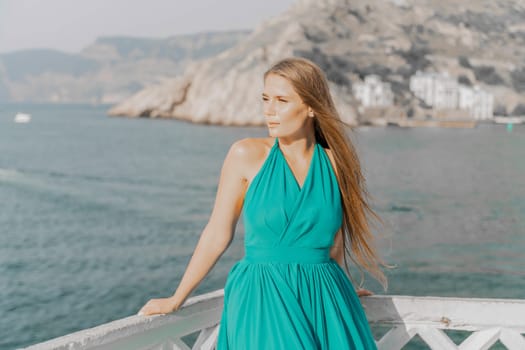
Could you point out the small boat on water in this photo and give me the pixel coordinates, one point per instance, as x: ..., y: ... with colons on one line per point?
x: 22, y: 118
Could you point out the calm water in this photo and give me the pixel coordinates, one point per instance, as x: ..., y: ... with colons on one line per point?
x: 98, y: 214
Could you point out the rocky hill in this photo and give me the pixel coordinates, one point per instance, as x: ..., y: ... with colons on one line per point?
x: 107, y: 71
x: 479, y: 42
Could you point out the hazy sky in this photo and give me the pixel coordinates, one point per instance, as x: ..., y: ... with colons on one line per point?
x: 70, y: 25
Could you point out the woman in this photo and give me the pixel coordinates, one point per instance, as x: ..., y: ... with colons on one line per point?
x: 304, y: 200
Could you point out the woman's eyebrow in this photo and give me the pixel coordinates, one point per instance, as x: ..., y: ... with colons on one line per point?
x: 278, y: 96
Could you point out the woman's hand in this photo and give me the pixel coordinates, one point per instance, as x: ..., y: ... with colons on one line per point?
x: 158, y: 306
x: 363, y: 293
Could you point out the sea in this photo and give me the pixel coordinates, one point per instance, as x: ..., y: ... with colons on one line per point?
x: 100, y: 214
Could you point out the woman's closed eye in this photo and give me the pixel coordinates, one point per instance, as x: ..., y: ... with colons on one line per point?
x: 279, y: 99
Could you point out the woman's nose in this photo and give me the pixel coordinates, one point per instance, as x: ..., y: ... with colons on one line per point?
x: 269, y: 107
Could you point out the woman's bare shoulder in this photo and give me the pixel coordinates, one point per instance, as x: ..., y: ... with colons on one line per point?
x: 252, y: 147
x: 250, y: 153
x: 332, y: 160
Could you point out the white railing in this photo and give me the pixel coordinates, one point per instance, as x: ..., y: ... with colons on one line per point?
x: 487, y: 320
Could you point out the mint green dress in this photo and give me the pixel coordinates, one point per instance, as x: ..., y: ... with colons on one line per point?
x: 287, y: 293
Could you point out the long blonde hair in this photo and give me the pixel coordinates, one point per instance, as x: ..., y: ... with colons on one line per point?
x: 310, y: 83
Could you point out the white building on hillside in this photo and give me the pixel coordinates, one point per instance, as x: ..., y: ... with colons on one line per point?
x: 422, y: 85
x: 373, y: 92
x: 445, y: 93
x: 440, y: 91
x: 478, y: 102
x: 436, y: 89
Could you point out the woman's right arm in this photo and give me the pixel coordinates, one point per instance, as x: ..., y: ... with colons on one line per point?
x: 218, y: 233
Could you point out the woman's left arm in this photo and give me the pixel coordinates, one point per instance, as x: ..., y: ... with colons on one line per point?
x: 337, y: 252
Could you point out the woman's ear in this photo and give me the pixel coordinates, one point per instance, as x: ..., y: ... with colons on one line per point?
x: 310, y: 112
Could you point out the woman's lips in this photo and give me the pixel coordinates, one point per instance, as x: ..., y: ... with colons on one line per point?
x: 271, y: 125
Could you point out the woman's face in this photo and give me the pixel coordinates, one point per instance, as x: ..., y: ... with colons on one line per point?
x: 286, y: 114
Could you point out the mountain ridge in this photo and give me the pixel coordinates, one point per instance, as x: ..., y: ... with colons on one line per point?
x: 106, y: 71
x: 483, y: 44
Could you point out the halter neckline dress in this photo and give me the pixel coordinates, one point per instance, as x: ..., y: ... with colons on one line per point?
x: 287, y: 292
